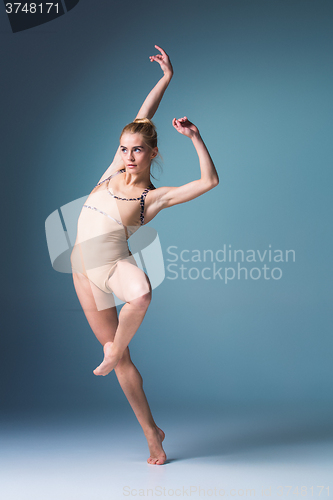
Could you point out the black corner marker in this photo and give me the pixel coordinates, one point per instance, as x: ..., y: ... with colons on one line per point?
x: 27, y: 15
x: 70, y: 4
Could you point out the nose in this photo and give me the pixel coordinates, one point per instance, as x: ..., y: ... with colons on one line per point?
x: 130, y: 155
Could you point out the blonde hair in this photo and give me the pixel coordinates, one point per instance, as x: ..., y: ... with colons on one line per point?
x: 147, y: 129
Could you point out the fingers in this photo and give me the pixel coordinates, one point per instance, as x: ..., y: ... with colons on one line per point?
x: 157, y: 58
x: 177, y: 125
x: 161, y: 50
x: 180, y: 122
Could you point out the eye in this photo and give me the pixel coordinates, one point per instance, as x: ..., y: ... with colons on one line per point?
x: 137, y: 149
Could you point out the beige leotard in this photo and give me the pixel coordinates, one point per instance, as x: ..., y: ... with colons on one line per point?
x: 105, y: 224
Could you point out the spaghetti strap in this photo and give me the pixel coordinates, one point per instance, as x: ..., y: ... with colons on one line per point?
x: 142, y: 205
x: 111, y: 176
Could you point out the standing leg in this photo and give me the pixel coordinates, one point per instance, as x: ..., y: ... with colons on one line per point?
x: 104, y: 325
x: 131, y: 383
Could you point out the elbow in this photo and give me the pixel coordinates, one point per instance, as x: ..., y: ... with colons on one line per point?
x: 210, y: 183
x: 215, y: 181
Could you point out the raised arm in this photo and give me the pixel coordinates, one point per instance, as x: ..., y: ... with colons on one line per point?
x: 150, y: 105
x: 153, y: 99
x: 169, y: 196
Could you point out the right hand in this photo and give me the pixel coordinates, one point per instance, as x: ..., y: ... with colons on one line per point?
x: 163, y: 60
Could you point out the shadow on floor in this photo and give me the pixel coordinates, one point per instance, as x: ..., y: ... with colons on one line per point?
x: 261, y: 441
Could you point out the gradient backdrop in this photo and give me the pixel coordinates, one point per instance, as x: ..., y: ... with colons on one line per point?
x: 256, y: 77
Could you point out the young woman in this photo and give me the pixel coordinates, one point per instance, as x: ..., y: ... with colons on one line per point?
x: 122, y: 201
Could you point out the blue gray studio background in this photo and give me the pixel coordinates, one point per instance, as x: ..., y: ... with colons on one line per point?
x: 256, y: 77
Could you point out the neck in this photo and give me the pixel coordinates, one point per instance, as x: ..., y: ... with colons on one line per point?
x: 132, y: 179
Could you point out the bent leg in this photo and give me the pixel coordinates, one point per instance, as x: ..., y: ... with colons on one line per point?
x: 132, y: 286
x: 102, y: 322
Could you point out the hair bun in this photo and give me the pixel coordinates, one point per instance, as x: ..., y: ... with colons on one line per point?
x: 146, y: 128
x: 143, y: 120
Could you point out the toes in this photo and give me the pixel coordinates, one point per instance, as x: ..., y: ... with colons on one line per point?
x: 156, y: 461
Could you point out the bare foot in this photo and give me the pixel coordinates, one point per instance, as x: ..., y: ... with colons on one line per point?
x: 155, y: 438
x: 109, y: 362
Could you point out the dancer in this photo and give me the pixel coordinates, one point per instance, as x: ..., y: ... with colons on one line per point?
x: 123, y: 200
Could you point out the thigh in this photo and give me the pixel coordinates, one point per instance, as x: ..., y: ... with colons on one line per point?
x: 102, y: 320
x: 128, y: 281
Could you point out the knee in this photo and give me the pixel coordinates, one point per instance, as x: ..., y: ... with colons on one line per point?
x: 142, y: 298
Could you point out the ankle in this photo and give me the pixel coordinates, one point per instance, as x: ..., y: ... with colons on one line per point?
x: 117, y: 352
x: 150, y: 430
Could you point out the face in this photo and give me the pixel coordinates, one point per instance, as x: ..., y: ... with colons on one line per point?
x: 136, y: 155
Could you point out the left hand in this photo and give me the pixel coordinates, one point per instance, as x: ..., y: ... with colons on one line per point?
x: 185, y: 127
x: 163, y: 60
